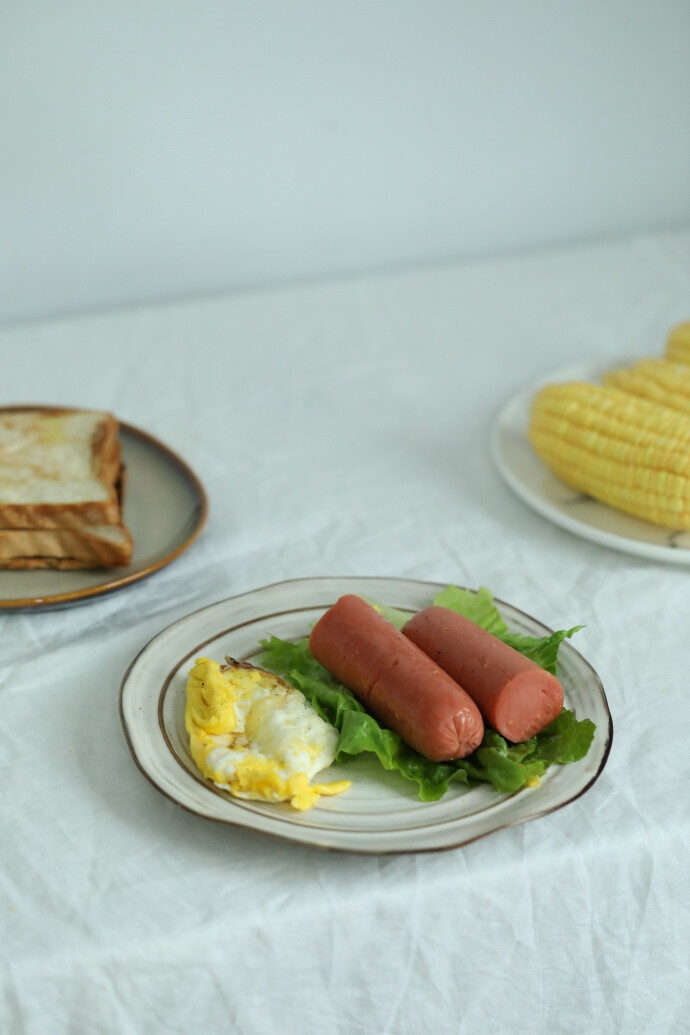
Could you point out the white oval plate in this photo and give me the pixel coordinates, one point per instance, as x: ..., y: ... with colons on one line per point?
x: 381, y: 812
x: 165, y: 509
x: 578, y: 513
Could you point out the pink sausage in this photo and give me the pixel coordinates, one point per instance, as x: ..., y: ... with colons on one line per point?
x: 515, y: 696
x: 396, y: 681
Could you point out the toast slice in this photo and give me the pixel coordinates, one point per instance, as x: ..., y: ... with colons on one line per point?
x: 59, y: 469
x: 107, y: 546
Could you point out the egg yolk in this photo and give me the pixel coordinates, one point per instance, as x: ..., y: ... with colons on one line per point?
x: 209, y: 699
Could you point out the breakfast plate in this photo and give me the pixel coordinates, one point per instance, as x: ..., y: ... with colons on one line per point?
x: 165, y: 509
x: 534, y: 483
x: 380, y: 813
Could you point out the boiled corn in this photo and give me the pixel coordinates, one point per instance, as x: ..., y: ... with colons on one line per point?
x: 629, y: 453
x: 678, y: 344
x: 657, y: 380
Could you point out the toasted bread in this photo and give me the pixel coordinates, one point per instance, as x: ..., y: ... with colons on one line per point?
x: 100, y: 546
x: 55, y: 563
x: 61, y: 488
x: 59, y: 469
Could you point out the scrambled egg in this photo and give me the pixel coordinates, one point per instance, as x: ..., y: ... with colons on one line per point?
x: 253, y: 735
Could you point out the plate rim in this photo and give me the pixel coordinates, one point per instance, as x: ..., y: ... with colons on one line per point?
x: 118, y: 581
x: 358, y: 849
x: 517, y: 403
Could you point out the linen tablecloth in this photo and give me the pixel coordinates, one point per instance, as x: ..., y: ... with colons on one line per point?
x: 343, y: 428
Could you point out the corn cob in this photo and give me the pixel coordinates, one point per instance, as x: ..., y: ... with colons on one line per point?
x: 657, y: 380
x: 626, y: 452
x: 678, y: 344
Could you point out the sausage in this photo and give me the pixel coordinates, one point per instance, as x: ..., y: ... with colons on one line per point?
x: 396, y: 681
x: 516, y: 697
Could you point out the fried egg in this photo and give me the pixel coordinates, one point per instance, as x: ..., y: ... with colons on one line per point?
x: 255, y: 736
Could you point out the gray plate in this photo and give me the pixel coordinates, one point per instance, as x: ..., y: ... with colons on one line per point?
x: 381, y: 812
x: 165, y: 510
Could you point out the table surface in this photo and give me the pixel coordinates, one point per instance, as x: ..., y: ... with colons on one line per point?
x: 343, y: 428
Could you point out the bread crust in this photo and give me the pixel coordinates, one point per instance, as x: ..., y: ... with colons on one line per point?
x: 65, y: 543
x: 60, y: 515
x: 105, y: 450
x: 52, y: 563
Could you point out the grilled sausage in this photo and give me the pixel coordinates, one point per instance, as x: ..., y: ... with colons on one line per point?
x: 516, y: 697
x: 396, y: 681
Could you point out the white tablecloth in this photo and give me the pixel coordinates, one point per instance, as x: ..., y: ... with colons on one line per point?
x: 343, y: 428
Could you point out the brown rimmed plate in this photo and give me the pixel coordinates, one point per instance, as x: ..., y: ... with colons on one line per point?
x: 165, y: 509
x: 380, y: 813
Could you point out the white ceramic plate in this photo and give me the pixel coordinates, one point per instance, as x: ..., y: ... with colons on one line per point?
x: 532, y: 481
x: 380, y: 813
x: 165, y: 509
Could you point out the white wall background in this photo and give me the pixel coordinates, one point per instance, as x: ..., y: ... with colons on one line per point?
x: 152, y: 149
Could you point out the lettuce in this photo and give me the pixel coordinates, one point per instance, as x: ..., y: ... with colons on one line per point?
x: 506, y: 767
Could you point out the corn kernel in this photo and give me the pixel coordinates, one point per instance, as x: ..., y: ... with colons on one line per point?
x: 657, y: 380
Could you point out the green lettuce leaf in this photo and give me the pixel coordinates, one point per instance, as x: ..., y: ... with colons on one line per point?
x: 506, y: 767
